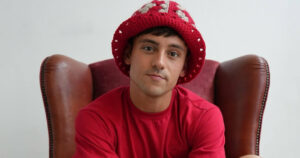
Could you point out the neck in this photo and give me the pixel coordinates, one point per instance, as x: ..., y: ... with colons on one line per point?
x: 151, y: 104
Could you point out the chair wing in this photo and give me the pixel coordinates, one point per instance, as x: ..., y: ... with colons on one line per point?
x: 66, y: 86
x: 242, y: 86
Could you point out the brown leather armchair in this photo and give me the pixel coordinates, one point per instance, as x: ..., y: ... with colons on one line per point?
x: 239, y: 87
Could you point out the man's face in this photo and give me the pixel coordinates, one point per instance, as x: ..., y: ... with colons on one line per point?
x: 156, y: 62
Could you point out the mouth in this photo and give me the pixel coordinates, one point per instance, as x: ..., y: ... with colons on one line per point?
x: 156, y: 77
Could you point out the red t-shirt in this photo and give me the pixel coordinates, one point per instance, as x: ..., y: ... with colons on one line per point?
x: 111, y: 126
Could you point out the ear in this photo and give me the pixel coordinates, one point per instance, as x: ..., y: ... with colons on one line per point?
x: 184, y: 69
x: 185, y: 65
x: 127, y: 54
x: 182, y: 73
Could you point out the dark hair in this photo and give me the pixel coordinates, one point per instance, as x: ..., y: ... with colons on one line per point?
x: 161, y: 31
x: 157, y: 31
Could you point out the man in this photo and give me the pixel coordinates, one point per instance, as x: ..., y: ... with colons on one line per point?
x: 158, y: 47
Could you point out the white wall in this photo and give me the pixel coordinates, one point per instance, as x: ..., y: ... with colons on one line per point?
x: 33, y: 29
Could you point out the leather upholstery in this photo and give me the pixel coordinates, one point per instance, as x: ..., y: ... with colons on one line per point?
x: 242, y: 86
x: 107, y: 76
x: 66, y: 86
x: 203, y: 84
x: 239, y: 87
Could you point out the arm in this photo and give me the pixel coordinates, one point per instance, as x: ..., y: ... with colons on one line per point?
x: 93, y: 137
x: 208, y: 139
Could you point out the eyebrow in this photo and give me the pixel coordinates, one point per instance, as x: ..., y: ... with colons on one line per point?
x: 148, y: 41
x: 177, y: 46
x: 156, y: 43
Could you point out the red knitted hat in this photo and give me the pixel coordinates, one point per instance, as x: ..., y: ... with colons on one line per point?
x: 161, y: 13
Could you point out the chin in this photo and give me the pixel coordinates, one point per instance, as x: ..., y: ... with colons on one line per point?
x: 152, y: 89
x: 155, y: 91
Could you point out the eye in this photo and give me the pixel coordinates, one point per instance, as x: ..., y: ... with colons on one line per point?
x: 148, y: 48
x: 173, y: 54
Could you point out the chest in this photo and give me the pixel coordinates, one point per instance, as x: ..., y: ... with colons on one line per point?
x: 159, y: 138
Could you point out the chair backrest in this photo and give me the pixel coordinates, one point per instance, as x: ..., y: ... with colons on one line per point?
x: 239, y: 87
x: 107, y: 76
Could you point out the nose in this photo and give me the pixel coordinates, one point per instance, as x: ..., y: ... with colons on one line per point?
x: 159, y: 60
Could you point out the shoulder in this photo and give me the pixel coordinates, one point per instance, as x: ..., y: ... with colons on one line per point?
x: 189, y: 99
x: 107, y: 106
x: 196, y: 112
x: 96, y: 123
x: 202, y: 120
